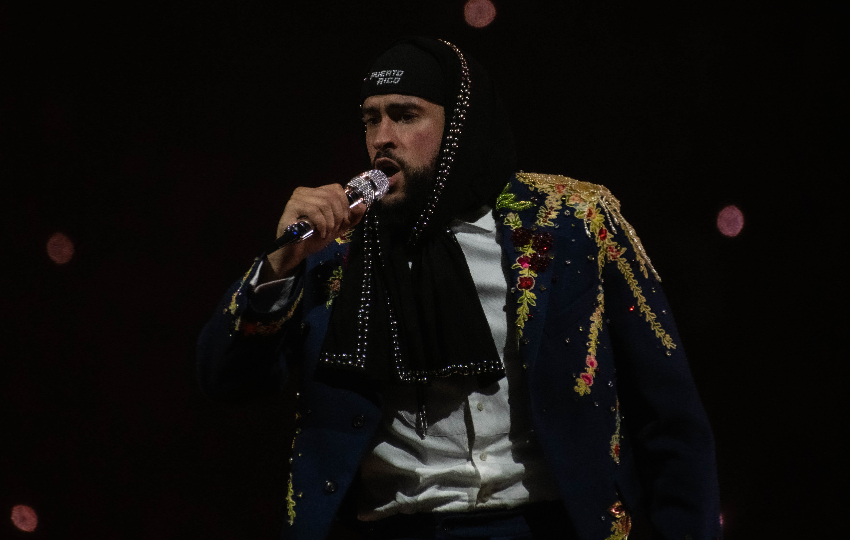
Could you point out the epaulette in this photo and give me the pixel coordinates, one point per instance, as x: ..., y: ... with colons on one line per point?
x: 560, y: 189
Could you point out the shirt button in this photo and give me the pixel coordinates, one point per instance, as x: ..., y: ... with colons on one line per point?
x: 483, y: 456
x: 358, y: 421
x: 330, y: 487
x: 480, y: 406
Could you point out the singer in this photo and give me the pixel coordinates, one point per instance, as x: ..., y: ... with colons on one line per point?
x: 481, y: 353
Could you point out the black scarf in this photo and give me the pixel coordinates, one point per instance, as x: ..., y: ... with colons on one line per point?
x: 407, y: 323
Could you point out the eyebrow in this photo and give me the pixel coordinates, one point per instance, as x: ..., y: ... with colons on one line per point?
x: 396, y: 106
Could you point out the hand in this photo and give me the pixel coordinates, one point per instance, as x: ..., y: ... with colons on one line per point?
x: 326, y: 208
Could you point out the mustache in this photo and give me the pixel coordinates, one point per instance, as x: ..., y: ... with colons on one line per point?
x: 389, y: 155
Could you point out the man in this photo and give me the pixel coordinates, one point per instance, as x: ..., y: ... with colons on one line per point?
x: 481, y: 354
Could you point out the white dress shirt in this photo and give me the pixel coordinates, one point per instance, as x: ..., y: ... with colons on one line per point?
x: 480, y: 451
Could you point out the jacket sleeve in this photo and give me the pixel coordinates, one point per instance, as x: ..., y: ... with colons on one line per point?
x: 662, y: 415
x: 241, y: 350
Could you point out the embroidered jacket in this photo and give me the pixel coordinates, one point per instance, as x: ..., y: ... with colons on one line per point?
x: 612, y: 398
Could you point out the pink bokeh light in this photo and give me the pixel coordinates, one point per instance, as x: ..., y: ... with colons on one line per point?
x: 479, y: 13
x: 24, y: 518
x: 730, y: 221
x: 60, y: 248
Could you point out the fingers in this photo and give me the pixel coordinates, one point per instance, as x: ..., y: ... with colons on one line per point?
x: 326, y: 207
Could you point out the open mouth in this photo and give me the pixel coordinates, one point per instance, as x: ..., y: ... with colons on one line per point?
x: 388, y: 167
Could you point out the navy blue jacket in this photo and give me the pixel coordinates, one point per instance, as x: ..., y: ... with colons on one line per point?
x: 612, y: 398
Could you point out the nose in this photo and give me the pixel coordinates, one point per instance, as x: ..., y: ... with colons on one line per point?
x: 384, y: 135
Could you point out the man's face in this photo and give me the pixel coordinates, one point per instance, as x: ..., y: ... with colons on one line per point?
x: 403, y: 135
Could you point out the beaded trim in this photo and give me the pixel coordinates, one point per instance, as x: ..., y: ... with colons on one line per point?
x: 358, y: 359
x: 449, y: 148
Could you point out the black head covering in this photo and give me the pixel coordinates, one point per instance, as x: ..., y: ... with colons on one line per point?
x: 417, y: 311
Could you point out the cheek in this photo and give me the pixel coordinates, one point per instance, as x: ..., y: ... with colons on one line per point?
x: 428, y: 145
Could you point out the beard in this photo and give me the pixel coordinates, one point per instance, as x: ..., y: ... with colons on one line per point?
x: 401, y: 214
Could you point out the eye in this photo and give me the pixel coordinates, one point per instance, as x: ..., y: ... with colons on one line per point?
x: 371, y: 121
x: 408, y: 117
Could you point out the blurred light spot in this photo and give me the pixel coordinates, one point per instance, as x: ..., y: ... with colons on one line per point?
x: 479, y: 13
x: 730, y: 221
x: 24, y: 518
x: 60, y: 249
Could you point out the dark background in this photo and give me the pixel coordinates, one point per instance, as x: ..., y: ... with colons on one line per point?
x: 163, y: 140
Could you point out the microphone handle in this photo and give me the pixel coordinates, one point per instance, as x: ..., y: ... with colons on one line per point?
x: 303, y: 229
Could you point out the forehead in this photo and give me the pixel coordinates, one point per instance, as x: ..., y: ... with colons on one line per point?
x: 384, y: 101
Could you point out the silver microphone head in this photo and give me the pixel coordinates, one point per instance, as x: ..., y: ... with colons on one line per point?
x: 370, y: 185
x: 380, y: 181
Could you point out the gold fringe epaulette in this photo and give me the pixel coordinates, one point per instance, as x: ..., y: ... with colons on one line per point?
x: 564, y: 186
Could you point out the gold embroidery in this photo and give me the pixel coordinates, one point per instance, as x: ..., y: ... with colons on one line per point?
x: 345, y: 237
x: 333, y: 286
x: 506, y: 199
x: 526, y: 277
x: 585, y: 380
x: 267, y: 329
x: 622, y: 525
x: 578, y: 192
x: 615, y: 439
x: 290, y: 502
x: 650, y: 317
x: 233, y: 305
x: 582, y: 197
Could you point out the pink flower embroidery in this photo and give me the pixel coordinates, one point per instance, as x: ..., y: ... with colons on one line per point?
x: 591, y: 362
x: 587, y: 378
x: 524, y: 261
x: 575, y: 198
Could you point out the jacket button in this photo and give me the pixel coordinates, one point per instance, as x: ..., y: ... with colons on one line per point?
x: 330, y: 487
x: 358, y: 421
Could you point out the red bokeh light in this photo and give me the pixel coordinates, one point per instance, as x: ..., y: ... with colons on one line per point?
x: 479, y: 13
x: 24, y: 518
x: 730, y: 221
x: 60, y: 248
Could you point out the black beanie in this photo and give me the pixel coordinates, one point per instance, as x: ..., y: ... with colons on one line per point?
x: 406, y: 69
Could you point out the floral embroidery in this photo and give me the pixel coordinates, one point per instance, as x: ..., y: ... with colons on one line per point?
x: 615, y: 439
x: 622, y: 525
x: 581, y: 194
x: 585, y: 380
x: 290, y: 502
x: 345, y: 237
x: 584, y: 197
x: 333, y: 286
x: 506, y: 199
x: 234, y: 306
x: 650, y: 317
x: 532, y: 247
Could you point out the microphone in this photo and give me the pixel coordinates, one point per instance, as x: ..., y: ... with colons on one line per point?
x: 365, y: 188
